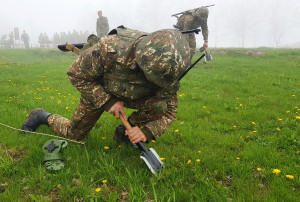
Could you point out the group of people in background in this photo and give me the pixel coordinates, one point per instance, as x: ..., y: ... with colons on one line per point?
x: 187, y: 20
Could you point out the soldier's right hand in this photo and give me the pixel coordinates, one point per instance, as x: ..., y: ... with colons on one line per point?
x: 117, y: 109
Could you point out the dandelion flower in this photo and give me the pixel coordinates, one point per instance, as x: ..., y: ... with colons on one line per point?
x: 276, y: 171
x: 258, y: 169
x: 287, y: 111
x: 204, y: 107
x: 278, y: 129
x: 254, y: 131
x: 199, y: 152
x: 98, y: 189
x: 291, y: 177
x: 241, y: 105
x: 181, y: 95
x: 153, y: 141
x: 189, y: 162
x: 253, y: 123
x: 237, y: 98
x: 162, y: 158
x: 298, y: 117
x: 104, y: 181
x: 106, y: 147
x: 67, y: 107
x: 280, y: 119
x: 237, y: 158
x: 234, y: 126
x: 198, y: 160
x: 176, y: 131
x: 103, y: 138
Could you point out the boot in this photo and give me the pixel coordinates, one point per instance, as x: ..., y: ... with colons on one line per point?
x: 36, y: 118
x: 120, y: 136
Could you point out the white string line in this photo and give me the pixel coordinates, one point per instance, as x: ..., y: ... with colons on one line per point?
x: 45, y: 134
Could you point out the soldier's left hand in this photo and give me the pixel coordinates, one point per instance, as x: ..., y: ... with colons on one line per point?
x: 136, y: 135
x: 205, y: 44
x: 117, y: 110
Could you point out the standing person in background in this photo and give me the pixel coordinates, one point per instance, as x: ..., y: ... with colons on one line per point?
x: 194, y: 19
x: 25, y: 39
x: 102, y: 25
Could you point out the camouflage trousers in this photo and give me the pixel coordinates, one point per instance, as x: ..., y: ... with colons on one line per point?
x: 86, y: 115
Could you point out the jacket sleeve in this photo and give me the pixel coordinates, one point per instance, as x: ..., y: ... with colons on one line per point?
x: 85, y: 74
x: 155, y: 115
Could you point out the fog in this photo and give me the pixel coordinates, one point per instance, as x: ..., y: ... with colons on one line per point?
x: 231, y: 23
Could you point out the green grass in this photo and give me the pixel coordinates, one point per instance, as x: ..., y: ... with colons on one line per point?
x: 236, y: 114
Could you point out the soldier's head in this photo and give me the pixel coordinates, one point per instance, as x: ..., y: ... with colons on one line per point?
x: 163, y: 56
x: 100, y: 13
x: 202, y: 13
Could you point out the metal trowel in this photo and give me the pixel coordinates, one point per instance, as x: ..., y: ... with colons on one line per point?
x: 150, y: 156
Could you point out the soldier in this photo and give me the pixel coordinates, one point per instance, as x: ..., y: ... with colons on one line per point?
x: 194, y: 19
x: 102, y: 25
x: 126, y: 68
x: 25, y: 39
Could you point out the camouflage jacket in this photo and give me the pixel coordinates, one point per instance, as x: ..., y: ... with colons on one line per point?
x: 184, y: 23
x: 108, y: 72
x: 102, y: 25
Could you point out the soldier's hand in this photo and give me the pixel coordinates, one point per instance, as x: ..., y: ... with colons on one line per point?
x: 136, y: 135
x: 117, y: 109
x: 205, y: 44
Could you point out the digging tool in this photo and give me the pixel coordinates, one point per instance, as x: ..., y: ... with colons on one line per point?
x: 150, y: 156
x: 208, y: 57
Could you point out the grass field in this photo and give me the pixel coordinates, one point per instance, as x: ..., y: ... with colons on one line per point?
x: 236, y: 137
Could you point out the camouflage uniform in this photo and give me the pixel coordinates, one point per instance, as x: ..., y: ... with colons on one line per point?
x: 129, y: 66
x: 192, y: 20
x: 102, y: 26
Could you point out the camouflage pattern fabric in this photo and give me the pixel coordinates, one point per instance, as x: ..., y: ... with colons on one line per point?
x: 109, y: 72
x: 192, y: 20
x: 102, y: 26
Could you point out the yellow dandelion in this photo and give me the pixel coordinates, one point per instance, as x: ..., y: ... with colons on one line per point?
x: 279, y: 119
x: 106, y: 147
x: 181, y: 95
x: 104, y: 181
x: 298, y: 117
x: 204, y: 107
x: 258, y: 169
x: 153, y: 141
x: 234, y: 126
x: 241, y: 105
x: 254, y: 131
x: 198, y: 160
x: 67, y: 107
x: 248, y: 137
x: 293, y: 95
x: 237, y: 158
x: 103, y: 138
x: 253, y: 123
x: 199, y: 152
x: 98, y: 189
x: 237, y: 98
x: 176, y: 131
x: 162, y: 159
x: 189, y: 162
x: 276, y: 171
x: 278, y: 129
x: 287, y: 111
x: 291, y: 177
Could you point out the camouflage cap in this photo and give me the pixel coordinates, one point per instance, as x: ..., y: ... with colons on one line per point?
x: 202, y: 12
x: 163, y: 56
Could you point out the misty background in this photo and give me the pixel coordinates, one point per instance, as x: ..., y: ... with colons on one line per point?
x: 231, y: 23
